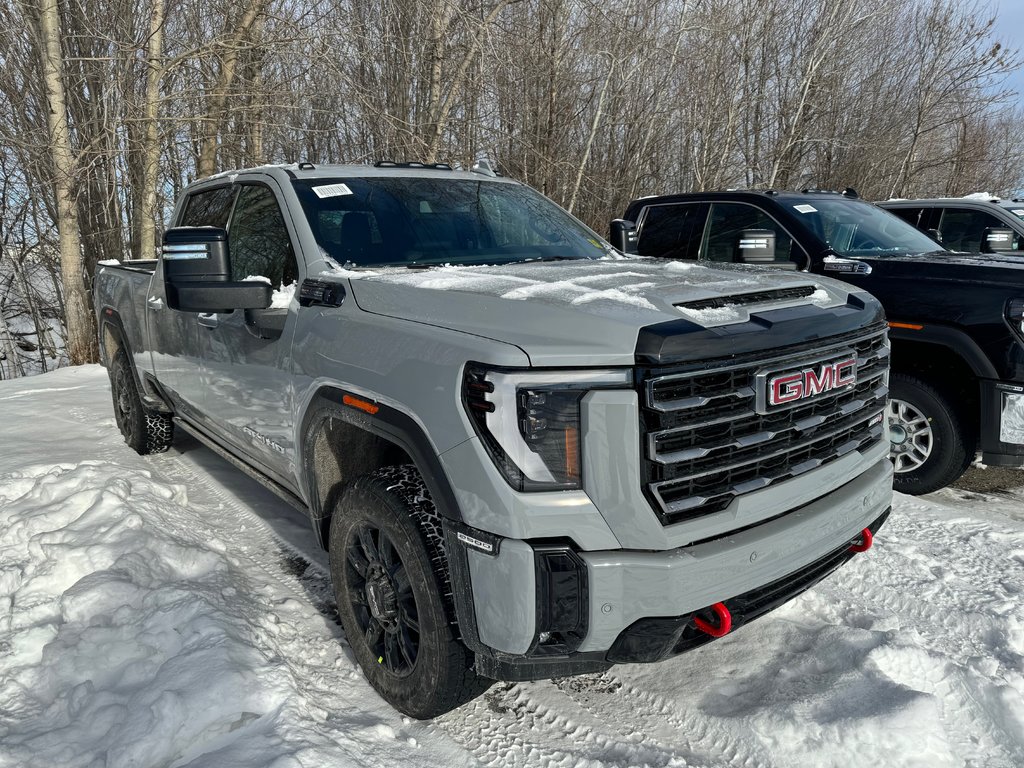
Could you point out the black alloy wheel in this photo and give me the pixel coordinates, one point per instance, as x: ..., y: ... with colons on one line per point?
x: 382, y: 599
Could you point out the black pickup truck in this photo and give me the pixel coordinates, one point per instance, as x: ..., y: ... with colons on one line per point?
x: 956, y: 320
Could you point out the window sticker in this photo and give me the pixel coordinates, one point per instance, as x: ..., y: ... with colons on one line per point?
x: 332, y: 190
x: 806, y: 208
x: 1018, y: 211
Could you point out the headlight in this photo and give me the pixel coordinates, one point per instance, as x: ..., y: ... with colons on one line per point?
x: 529, y: 420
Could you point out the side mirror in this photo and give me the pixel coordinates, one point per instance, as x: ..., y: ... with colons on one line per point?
x: 623, y: 235
x: 935, y: 235
x: 998, y: 240
x: 197, y: 272
x: 755, y: 246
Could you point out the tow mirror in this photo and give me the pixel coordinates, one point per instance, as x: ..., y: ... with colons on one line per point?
x: 623, y: 235
x: 998, y: 240
x: 755, y: 246
x: 197, y: 273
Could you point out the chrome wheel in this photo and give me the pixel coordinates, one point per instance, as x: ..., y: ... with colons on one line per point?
x: 910, y: 435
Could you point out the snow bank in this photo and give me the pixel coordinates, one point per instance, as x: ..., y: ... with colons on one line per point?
x: 167, y: 611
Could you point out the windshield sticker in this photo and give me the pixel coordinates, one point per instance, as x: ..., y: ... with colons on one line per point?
x: 332, y: 190
x: 1018, y: 211
x: 806, y: 208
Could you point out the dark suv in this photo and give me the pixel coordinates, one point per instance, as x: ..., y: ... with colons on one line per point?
x: 956, y: 320
x: 972, y: 224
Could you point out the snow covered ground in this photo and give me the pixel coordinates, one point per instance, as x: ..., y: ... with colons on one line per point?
x: 167, y: 611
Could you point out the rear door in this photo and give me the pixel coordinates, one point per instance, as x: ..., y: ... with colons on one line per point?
x: 174, y: 334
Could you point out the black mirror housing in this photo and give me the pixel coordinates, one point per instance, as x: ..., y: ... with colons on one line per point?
x: 195, y: 253
x: 623, y: 235
x: 998, y: 240
x: 755, y: 246
x: 219, y: 296
x: 197, y: 273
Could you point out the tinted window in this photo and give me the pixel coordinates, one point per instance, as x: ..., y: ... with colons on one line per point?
x: 208, y: 209
x: 962, y: 228
x: 672, y: 231
x: 909, y: 215
x: 413, y: 220
x: 726, y: 224
x: 258, y: 239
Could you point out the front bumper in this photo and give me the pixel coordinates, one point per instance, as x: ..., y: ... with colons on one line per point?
x: 639, y: 605
x: 1002, y: 423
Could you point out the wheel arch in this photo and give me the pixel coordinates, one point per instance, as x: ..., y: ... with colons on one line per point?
x: 340, y: 441
x: 948, y: 372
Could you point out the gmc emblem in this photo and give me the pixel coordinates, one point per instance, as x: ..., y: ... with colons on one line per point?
x: 780, y: 388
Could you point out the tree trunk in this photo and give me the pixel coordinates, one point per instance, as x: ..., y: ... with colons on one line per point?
x: 151, y: 134
x: 82, y: 345
x: 219, y: 99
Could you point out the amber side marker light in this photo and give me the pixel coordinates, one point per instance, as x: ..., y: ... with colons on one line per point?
x: 908, y: 326
x: 362, y: 405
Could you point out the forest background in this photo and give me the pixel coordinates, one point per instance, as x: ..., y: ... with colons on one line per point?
x: 108, y: 108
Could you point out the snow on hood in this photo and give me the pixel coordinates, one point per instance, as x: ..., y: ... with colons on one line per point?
x: 590, y: 308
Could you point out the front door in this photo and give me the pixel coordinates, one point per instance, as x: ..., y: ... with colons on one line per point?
x: 249, y: 393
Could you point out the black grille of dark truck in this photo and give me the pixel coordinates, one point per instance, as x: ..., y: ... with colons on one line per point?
x: 704, y: 441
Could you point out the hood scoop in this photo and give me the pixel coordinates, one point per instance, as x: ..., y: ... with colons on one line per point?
x: 746, y: 299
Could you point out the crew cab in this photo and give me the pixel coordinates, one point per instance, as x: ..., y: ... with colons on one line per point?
x: 977, y: 223
x: 527, y: 455
x: 955, y: 319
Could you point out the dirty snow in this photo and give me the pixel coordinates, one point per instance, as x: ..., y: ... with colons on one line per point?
x: 168, y: 611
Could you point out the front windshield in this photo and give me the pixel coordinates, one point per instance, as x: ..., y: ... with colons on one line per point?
x: 416, y: 221
x: 1017, y: 210
x: 857, y: 229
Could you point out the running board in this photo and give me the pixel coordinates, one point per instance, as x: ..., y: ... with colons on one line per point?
x: 267, y: 482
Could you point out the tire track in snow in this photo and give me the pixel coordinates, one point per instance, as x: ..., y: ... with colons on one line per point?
x: 516, y: 725
x: 914, y: 571
x: 657, y: 719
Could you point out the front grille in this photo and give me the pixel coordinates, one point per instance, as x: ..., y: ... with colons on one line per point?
x: 705, y: 443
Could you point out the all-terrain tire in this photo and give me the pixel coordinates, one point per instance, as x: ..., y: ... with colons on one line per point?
x: 144, y: 430
x: 952, y: 445
x: 391, y: 582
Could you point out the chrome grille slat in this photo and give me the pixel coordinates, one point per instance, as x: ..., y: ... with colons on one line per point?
x: 702, y: 456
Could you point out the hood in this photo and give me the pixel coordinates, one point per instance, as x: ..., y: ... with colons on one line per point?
x: 991, y: 268
x: 584, y: 312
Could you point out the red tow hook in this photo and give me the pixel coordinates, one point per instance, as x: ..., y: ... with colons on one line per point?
x: 724, y: 621
x: 866, y: 540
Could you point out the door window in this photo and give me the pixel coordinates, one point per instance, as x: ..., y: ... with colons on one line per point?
x: 210, y: 208
x: 258, y: 239
x: 962, y: 228
x: 910, y: 215
x: 726, y: 224
x: 672, y: 231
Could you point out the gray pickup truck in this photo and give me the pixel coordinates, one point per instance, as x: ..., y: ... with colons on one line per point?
x: 528, y: 455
